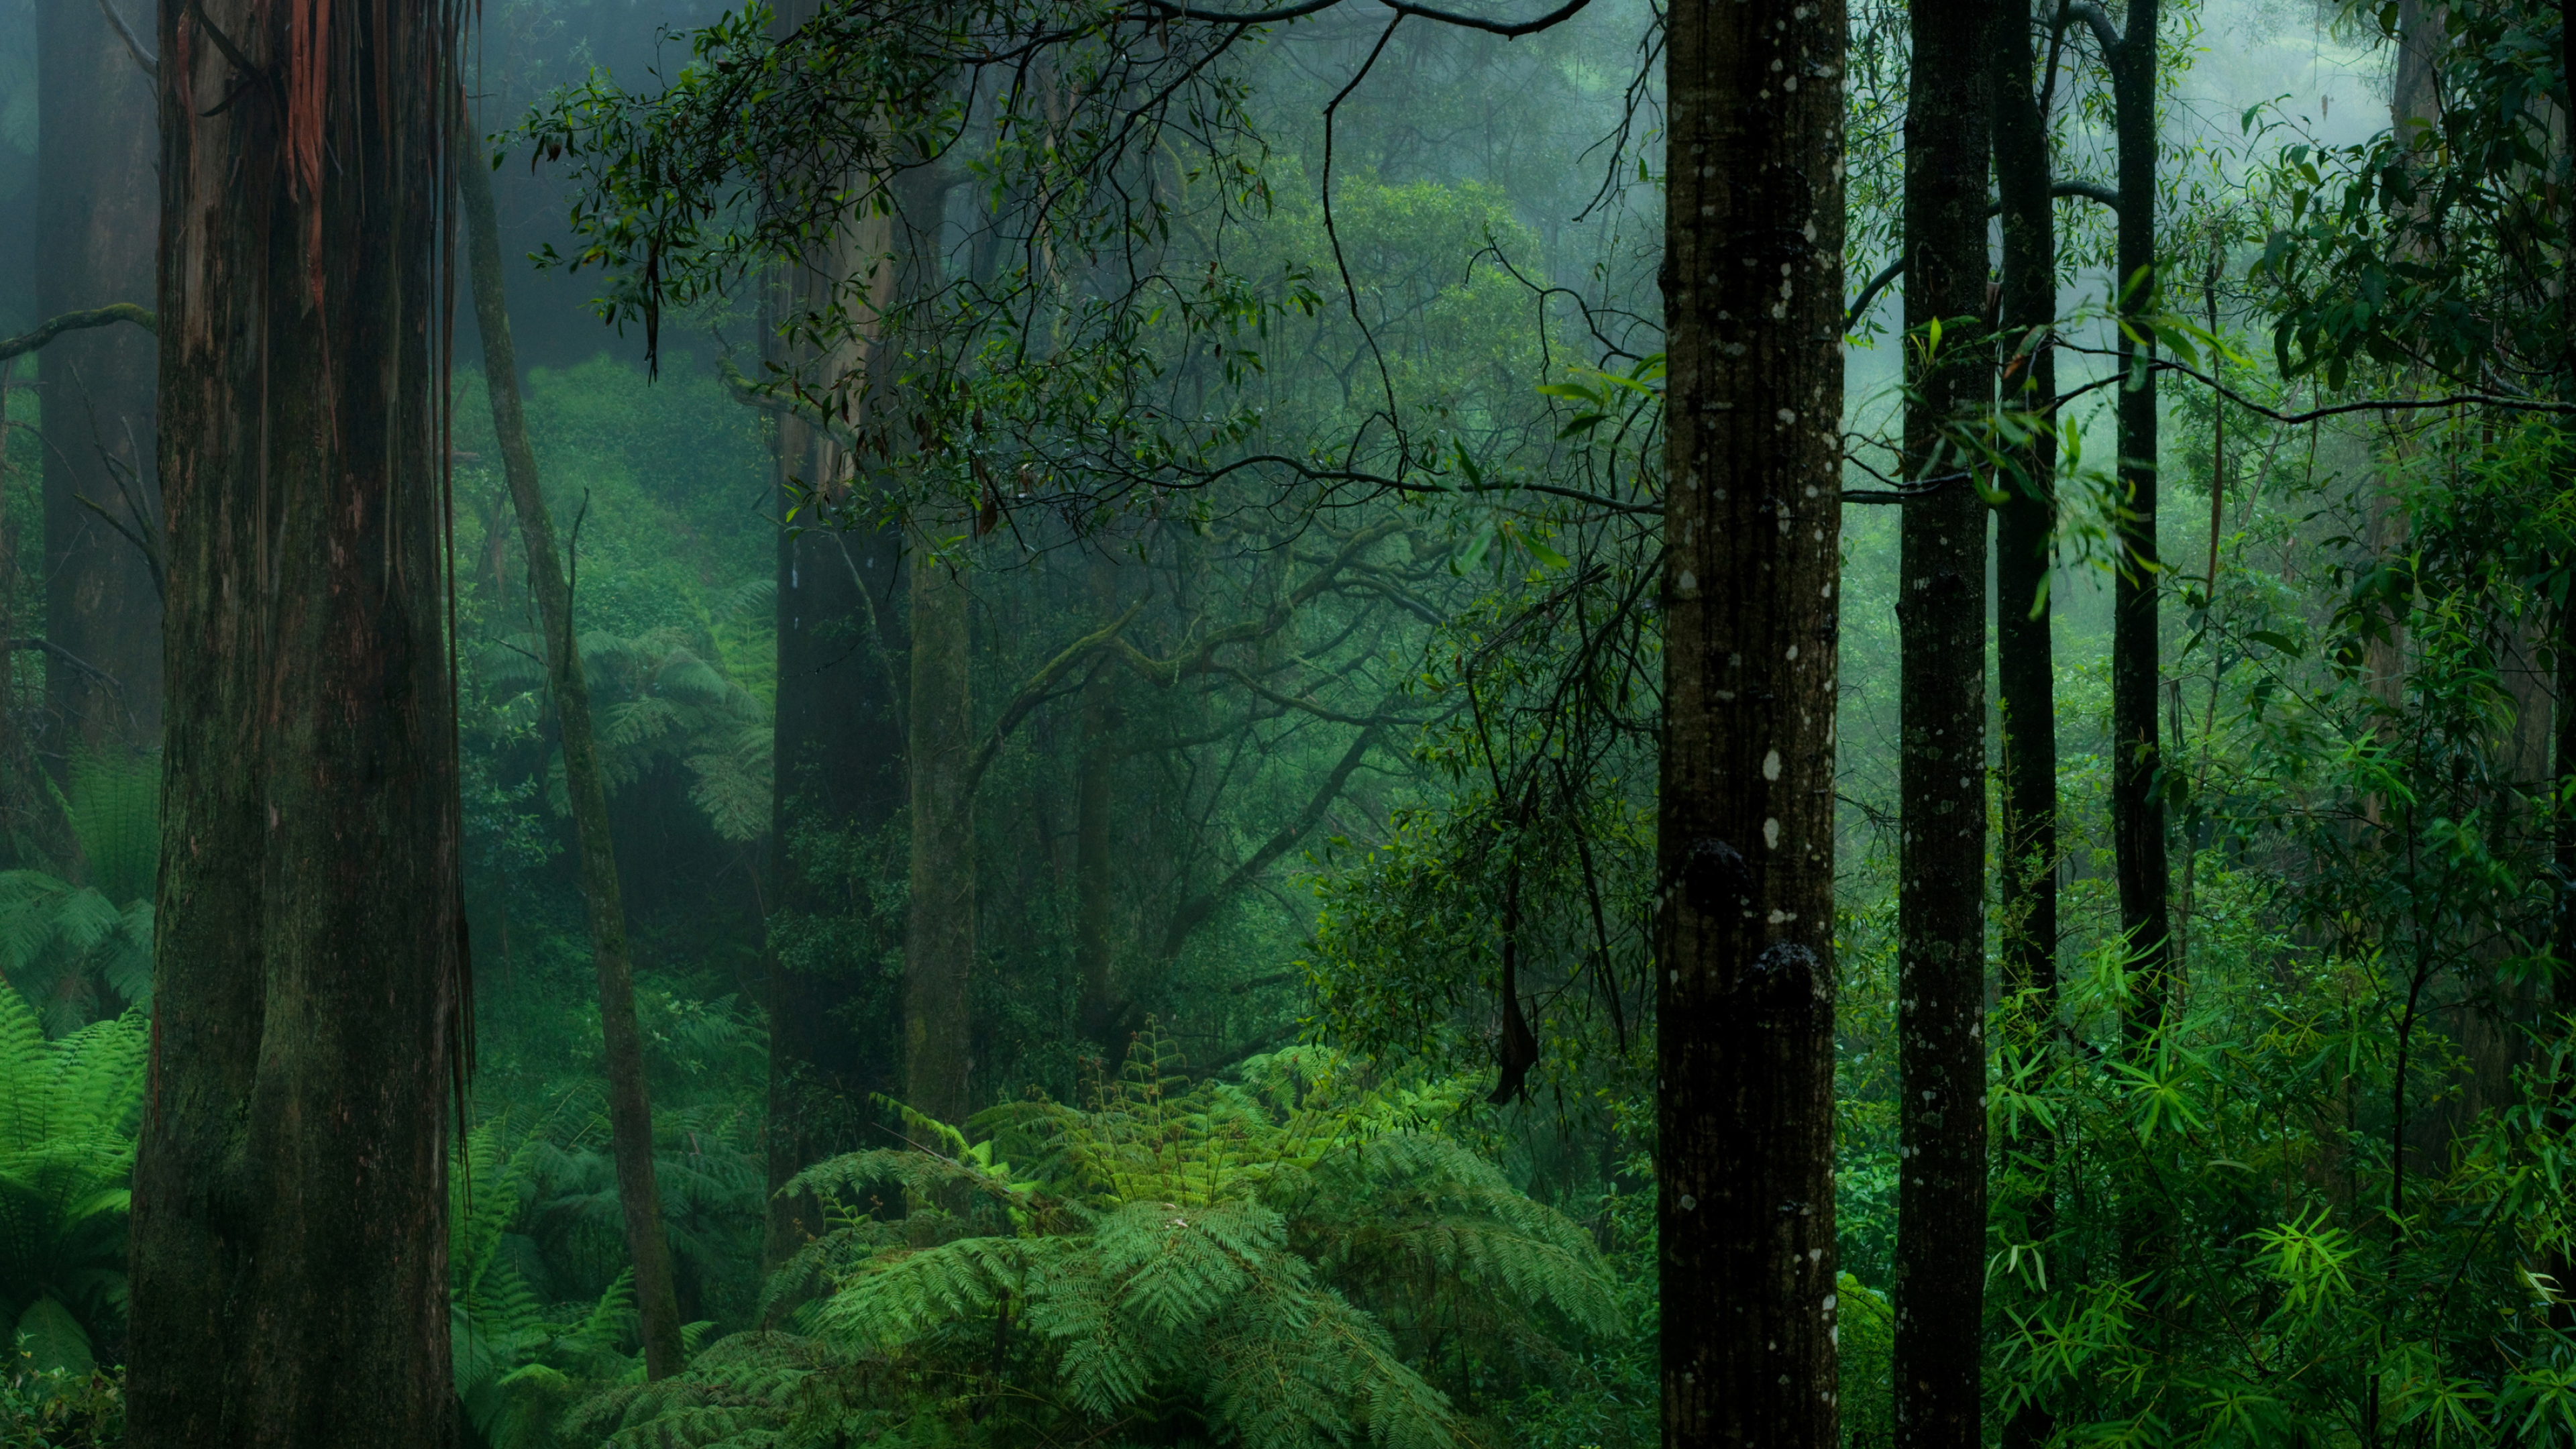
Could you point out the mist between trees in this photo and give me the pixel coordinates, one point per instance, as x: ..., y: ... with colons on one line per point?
x: 1357, y: 722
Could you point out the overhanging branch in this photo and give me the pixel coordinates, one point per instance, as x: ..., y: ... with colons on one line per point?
x: 52, y: 328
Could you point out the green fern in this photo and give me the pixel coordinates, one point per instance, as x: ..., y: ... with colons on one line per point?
x: 80, y: 952
x: 1184, y: 1262
x: 658, y: 698
x: 114, y: 803
x: 520, y: 1363
x: 68, y: 1111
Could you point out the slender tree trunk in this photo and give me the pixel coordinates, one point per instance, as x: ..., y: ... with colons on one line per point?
x: 630, y: 1108
x: 289, y: 1270
x: 2137, y: 756
x: 2560, y: 1263
x: 97, y: 144
x: 1941, y: 610
x: 2025, y: 540
x: 1745, y: 833
x: 939, y: 953
x: 1101, y: 1015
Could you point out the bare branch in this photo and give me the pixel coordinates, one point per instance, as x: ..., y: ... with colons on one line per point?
x: 76, y: 321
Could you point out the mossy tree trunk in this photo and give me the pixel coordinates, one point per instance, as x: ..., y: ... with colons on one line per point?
x: 939, y: 948
x: 630, y: 1109
x: 289, y: 1231
x: 1745, y: 855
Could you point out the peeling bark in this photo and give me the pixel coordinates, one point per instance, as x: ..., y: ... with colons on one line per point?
x: 289, y: 1234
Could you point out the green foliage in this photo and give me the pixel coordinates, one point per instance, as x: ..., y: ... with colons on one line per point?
x: 1267, y: 1263
x: 80, y: 952
x: 655, y: 699
x: 68, y: 1113
x: 59, y: 1408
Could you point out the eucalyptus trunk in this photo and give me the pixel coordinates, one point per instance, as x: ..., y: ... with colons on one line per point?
x: 289, y: 1232
x: 837, y: 746
x: 1745, y: 831
x: 98, y: 141
x: 1941, y: 612
x: 630, y: 1108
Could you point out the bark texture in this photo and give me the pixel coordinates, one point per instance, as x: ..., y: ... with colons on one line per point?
x: 1744, y: 932
x: 1941, y: 612
x: 939, y: 951
x: 289, y: 1269
x: 98, y: 141
x: 630, y: 1108
x: 2025, y: 653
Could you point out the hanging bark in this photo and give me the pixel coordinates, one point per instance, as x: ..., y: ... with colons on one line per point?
x: 1941, y: 611
x: 630, y: 1109
x: 2025, y: 653
x: 939, y: 950
x: 1744, y: 933
x: 289, y: 1231
x: 97, y: 143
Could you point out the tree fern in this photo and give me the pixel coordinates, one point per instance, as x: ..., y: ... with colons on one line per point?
x: 1208, y: 1262
x: 658, y: 699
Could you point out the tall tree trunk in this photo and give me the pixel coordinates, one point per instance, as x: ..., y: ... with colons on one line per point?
x: 289, y: 1270
x: 2025, y: 654
x: 630, y: 1108
x: 1941, y: 610
x: 98, y: 142
x: 1745, y: 834
x: 837, y: 746
x: 939, y: 951
x: 2137, y: 756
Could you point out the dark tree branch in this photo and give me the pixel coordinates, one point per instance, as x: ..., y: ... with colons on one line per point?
x: 2063, y: 190
x: 49, y: 647
x: 133, y: 44
x: 76, y: 321
x: 1507, y: 29
x: 2366, y: 405
x: 2105, y: 33
x: 1034, y: 692
x: 1195, y: 911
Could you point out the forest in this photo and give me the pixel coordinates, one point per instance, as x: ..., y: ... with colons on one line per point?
x: 1290, y: 724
